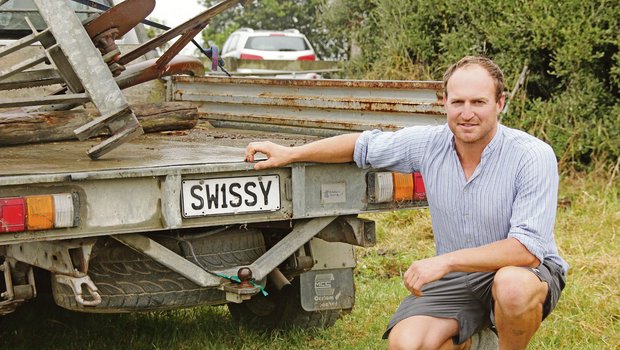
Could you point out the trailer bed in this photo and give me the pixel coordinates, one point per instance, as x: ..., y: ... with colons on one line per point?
x: 202, y: 145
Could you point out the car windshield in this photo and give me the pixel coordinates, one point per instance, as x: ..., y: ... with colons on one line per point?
x: 276, y: 43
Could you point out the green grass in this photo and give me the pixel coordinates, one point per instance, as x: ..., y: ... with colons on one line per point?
x: 587, y: 317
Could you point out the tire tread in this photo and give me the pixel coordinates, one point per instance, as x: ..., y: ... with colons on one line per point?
x: 129, y: 281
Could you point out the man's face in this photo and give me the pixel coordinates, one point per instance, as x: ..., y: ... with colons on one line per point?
x: 471, y: 106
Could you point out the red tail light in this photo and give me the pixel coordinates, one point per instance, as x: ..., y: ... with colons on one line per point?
x: 307, y: 58
x: 419, y: 192
x: 12, y: 214
x: 247, y: 56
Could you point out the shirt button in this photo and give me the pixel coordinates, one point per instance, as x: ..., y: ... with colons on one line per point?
x: 464, y: 190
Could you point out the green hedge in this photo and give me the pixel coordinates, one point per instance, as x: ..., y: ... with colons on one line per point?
x: 571, y: 47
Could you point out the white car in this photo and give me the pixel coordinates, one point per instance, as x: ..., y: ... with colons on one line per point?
x: 249, y: 44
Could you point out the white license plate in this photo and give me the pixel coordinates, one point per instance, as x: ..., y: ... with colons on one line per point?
x: 230, y: 195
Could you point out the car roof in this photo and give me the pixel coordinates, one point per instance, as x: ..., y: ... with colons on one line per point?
x: 287, y: 32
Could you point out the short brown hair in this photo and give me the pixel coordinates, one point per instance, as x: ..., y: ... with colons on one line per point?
x: 486, y: 63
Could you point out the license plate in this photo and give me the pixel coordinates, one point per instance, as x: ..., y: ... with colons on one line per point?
x: 230, y: 195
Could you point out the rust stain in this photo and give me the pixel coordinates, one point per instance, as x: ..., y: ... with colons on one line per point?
x: 343, y: 103
x: 310, y: 123
x: 380, y: 84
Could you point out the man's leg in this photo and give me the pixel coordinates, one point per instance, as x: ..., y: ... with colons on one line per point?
x: 430, y: 321
x: 423, y: 332
x: 519, y: 296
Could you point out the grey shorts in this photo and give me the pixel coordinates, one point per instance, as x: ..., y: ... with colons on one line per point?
x: 467, y: 298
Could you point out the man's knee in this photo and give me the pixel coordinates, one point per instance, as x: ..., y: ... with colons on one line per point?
x: 421, y: 332
x: 518, y: 290
x: 401, y: 339
x: 406, y: 335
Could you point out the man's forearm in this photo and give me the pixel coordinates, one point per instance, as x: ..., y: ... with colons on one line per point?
x: 491, y: 257
x: 337, y: 149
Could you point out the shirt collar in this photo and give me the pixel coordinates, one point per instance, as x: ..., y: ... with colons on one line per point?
x: 495, y: 142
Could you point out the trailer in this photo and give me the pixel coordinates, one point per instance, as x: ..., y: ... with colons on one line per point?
x: 176, y: 218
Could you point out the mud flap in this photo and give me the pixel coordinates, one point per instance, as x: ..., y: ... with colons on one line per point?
x: 327, y: 289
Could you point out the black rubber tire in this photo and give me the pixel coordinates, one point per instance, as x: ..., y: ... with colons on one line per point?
x: 129, y: 281
x: 280, y: 310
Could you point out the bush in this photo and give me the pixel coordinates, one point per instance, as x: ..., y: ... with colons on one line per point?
x: 571, y: 48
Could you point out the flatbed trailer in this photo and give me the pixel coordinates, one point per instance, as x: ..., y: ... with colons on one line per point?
x: 178, y: 219
x: 154, y: 200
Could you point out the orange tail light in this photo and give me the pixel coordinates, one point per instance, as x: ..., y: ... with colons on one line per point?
x: 403, y: 187
x: 40, y: 212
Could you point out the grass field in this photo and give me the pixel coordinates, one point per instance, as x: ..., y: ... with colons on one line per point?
x: 587, y: 317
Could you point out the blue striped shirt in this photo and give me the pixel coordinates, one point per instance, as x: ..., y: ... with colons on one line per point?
x: 512, y: 192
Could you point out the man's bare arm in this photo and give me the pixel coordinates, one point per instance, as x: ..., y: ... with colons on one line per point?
x: 490, y: 257
x: 337, y: 149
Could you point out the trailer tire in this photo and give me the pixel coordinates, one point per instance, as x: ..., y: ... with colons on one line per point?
x: 129, y: 281
x: 280, y: 310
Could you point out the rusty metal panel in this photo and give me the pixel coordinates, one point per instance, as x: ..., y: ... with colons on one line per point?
x: 314, y: 106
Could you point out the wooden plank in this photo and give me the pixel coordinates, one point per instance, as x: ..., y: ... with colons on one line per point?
x: 18, y: 127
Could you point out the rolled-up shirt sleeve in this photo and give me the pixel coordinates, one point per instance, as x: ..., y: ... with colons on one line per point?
x: 535, y: 203
x: 400, y: 151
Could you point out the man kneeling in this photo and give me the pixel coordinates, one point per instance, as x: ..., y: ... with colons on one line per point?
x: 492, y: 194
